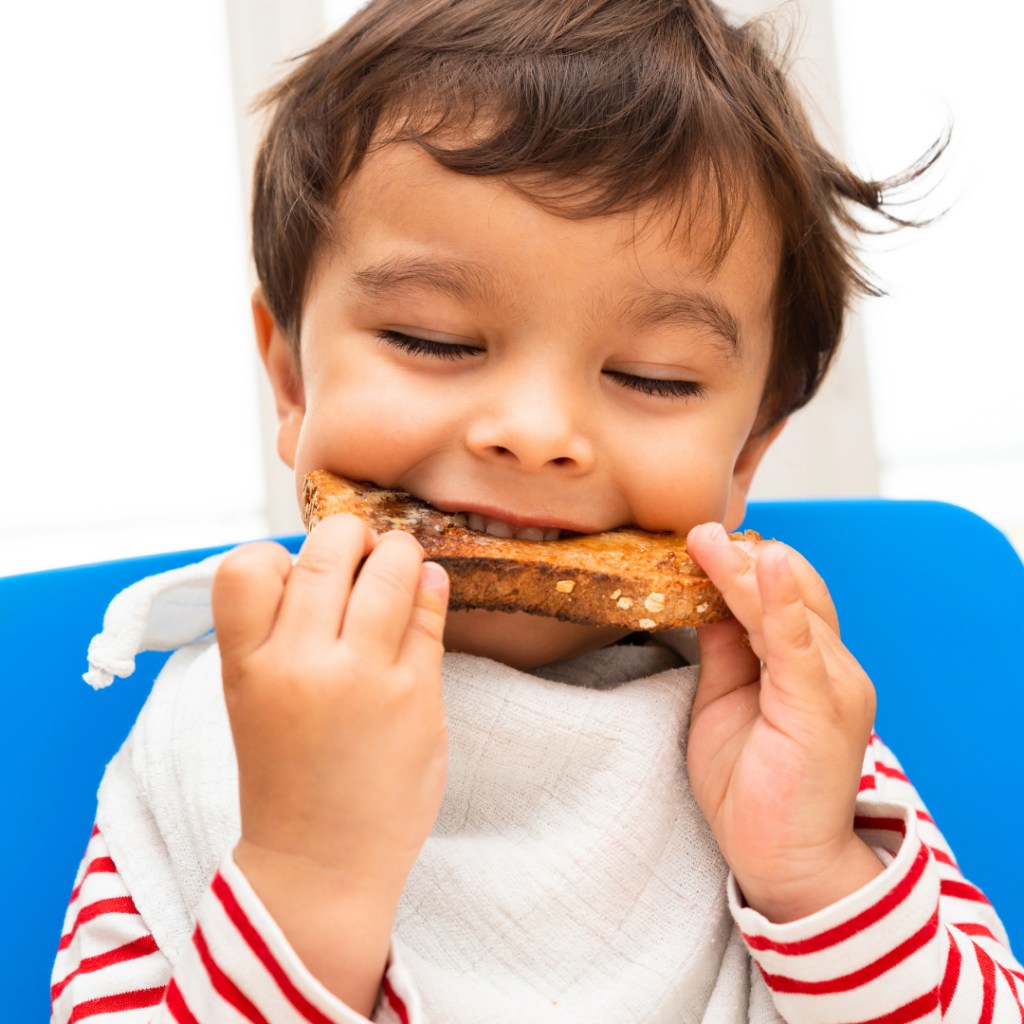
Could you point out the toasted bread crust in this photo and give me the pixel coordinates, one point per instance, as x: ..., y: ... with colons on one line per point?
x: 627, y: 578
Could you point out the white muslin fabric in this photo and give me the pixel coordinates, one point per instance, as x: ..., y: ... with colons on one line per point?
x: 159, y: 613
x: 570, y: 875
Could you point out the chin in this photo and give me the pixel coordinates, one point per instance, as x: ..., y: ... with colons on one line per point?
x: 523, y: 641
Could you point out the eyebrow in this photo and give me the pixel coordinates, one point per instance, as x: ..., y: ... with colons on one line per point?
x: 693, y: 310
x: 458, y: 279
x: 463, y: 281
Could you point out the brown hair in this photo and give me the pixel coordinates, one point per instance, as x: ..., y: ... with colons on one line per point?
x: 587, y: 107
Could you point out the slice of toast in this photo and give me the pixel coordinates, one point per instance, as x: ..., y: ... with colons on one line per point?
x: 627, y: 577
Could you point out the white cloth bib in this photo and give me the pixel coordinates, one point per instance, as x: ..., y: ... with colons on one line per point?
x: 570, y: 875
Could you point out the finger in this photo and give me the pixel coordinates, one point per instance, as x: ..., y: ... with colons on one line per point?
x: 247, y: 591
x: 320, y: 581
x: 727, y: 662
x: 731, y: 569
x: 795, y: 662
x: 850, y: 682
x: 382, y: 599
x: 813, y: 589
x: 423, y: 643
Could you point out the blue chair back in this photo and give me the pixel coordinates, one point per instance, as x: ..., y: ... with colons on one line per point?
x: 929, y: 597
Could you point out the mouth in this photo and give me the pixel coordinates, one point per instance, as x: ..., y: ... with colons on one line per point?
x: 500, y: 528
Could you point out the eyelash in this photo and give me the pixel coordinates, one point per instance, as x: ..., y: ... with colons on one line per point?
x: 452, y: 352
x: 425, y: 347
x: 657, y: 386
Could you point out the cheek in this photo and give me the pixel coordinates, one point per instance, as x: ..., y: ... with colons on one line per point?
x: 681, y: 475
x: 366, y: 419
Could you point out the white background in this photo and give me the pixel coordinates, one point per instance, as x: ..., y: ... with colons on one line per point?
x: 946, y: 349
x: 129, y: 415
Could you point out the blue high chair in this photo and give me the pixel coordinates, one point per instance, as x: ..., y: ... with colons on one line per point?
x: 930, y: 598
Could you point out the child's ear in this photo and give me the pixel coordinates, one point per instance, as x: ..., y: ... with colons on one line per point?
x: 277, y: 357
x: 743, y: 474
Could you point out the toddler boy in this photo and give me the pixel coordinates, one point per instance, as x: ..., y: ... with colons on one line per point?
x: 561, y: 265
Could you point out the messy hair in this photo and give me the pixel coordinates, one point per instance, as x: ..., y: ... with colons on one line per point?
x: 588, y: 107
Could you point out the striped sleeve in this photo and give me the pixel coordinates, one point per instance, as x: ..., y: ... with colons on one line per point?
x: 918, y: 943
x: 238, y: 967
x: 107, y: 964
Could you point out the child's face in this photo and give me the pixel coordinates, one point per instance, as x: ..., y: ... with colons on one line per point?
x: 462, y: 344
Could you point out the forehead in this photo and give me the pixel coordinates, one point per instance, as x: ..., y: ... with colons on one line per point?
x: 404, y: 221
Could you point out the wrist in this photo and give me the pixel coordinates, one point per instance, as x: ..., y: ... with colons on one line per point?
x: 819, y: 885
x: 362, y: 882
x: 338, y: 921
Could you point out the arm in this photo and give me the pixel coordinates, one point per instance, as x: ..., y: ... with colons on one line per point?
x: 332, y: 682
x: 237, y: 962
x: 850, y: 900
x: 333, y: 689
x: 918, y: 943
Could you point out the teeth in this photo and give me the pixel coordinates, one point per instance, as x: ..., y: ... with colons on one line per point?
x: 531, y: 533
x: 499, y: 528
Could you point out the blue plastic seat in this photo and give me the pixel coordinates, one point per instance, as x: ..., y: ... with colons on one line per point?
x: 930, y: 598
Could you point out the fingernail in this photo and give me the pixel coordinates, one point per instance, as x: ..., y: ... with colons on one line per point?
x: 433, y: 577
x: 776, y: 559
x: 717, y: 535
x: 745, y: 545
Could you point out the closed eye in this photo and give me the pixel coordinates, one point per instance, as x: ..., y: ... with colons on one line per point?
x: 657, y: 386
x: 425, y: 347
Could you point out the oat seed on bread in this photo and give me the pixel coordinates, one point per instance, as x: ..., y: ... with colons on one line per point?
x: 626, y: 577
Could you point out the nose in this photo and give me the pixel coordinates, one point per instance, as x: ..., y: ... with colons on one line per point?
x: 533, y: 424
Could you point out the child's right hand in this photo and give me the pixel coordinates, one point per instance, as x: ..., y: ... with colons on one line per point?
x: 333, y: 689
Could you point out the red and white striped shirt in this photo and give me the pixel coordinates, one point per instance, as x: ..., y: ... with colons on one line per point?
x: 919, y: 943
x: 238, y: 967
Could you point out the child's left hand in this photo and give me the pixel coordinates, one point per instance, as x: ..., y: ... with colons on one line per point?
x: 778, y: 731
